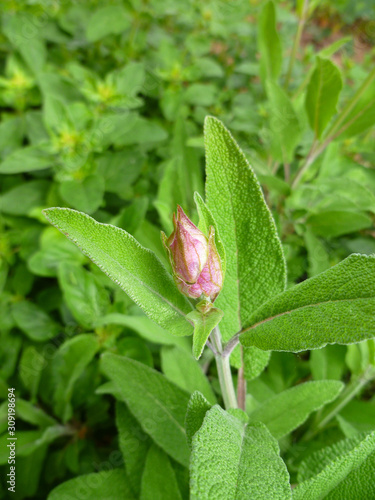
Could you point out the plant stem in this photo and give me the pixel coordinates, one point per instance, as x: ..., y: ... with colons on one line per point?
x: 332, y: 132
x: 338, y: 127
x: 297, y: 40
x: 310, y: 158
x: 231, y: 344
x: 350, y: 391
x: 241, y: 385
x: 224, y: 371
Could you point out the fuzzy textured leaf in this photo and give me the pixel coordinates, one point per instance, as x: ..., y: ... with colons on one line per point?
x: 134, y: 268
x: 322, y: 94
x: 255, y: 265
x: 134, y: 444
x: 157, y: 403
x: 70, y: 361
x: 159, y: 480
x: 204, y: 323
x: 254, y: 360
x: 284, y: 124
x: 344, y: 470
x: 105, y: 485
x: 146, y: 329
x: 269, y: 43
x: 196, y: 411
x: 223, y: 465
x: 297, y: 403
x: 334, y: 307
x: 34, y: 321
x: 182, y: 369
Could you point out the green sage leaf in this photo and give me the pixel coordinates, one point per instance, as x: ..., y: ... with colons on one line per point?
x: 105, y: 485
x: 223, y: 464
x: 136, y: 269
x: 297, y: 403
x: 204, y: 323
x: 322, y: 95
x: 134, y: 444
x: 269, y: 43
x: 182, y: 369
x: 255, y: 265
x: 158, y: 404
x: 196, y: 411
x: 284, y: 124
x: 159, y: 480
x: 334, y: 307
x: 344, y: 470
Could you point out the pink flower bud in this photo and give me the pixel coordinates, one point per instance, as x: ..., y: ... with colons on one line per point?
x: 195, y: 260
x: 187, y: 247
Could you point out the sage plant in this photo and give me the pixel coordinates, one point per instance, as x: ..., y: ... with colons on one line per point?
x: 228, y: 291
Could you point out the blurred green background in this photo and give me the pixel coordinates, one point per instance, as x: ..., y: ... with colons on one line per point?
x: 102, y: 106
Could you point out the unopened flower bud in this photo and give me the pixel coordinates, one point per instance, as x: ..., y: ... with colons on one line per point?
x: 195, y: 260
x: 187, y: 247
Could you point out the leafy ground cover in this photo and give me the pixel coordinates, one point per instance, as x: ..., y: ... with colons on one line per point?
x: 102, y: 111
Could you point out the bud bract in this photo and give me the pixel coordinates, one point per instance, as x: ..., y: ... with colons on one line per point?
x: 194, y: 258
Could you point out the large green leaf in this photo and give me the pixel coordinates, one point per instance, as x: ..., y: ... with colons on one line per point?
x: 134, y: 444
x: 105, y: 485
x: 322, y: 94
x: 69, y: 363
x: 333, y: 223
x: 27, y: 159
x: 284, y: 124
x: 344, y: 470
x: 86, y: 195
x: 297, y: 403
x: 269, y: 44
x: 157, y: 403
x: 255, y: 266
x: 235, y: 461
x: 146, y: 329
x: 33, y: 321
x: 108, y: 20
x: 334, y: 307
x: 84, y: 296
x: 159, y: 480
x: 182, y: 369
x: 196, y: 411
x: 358, y: 113
x: 137, y: 270
x: 32, y: 194
x: 329, y: 362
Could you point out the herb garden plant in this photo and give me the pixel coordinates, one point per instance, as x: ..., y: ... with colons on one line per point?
x: 228, y: 291
x: 197, y: 319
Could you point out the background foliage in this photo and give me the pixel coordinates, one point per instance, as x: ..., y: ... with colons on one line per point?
x: 102, y: 109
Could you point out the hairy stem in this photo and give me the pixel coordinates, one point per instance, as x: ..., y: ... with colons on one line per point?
x: 224, y: 371
x: 231, y: 344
